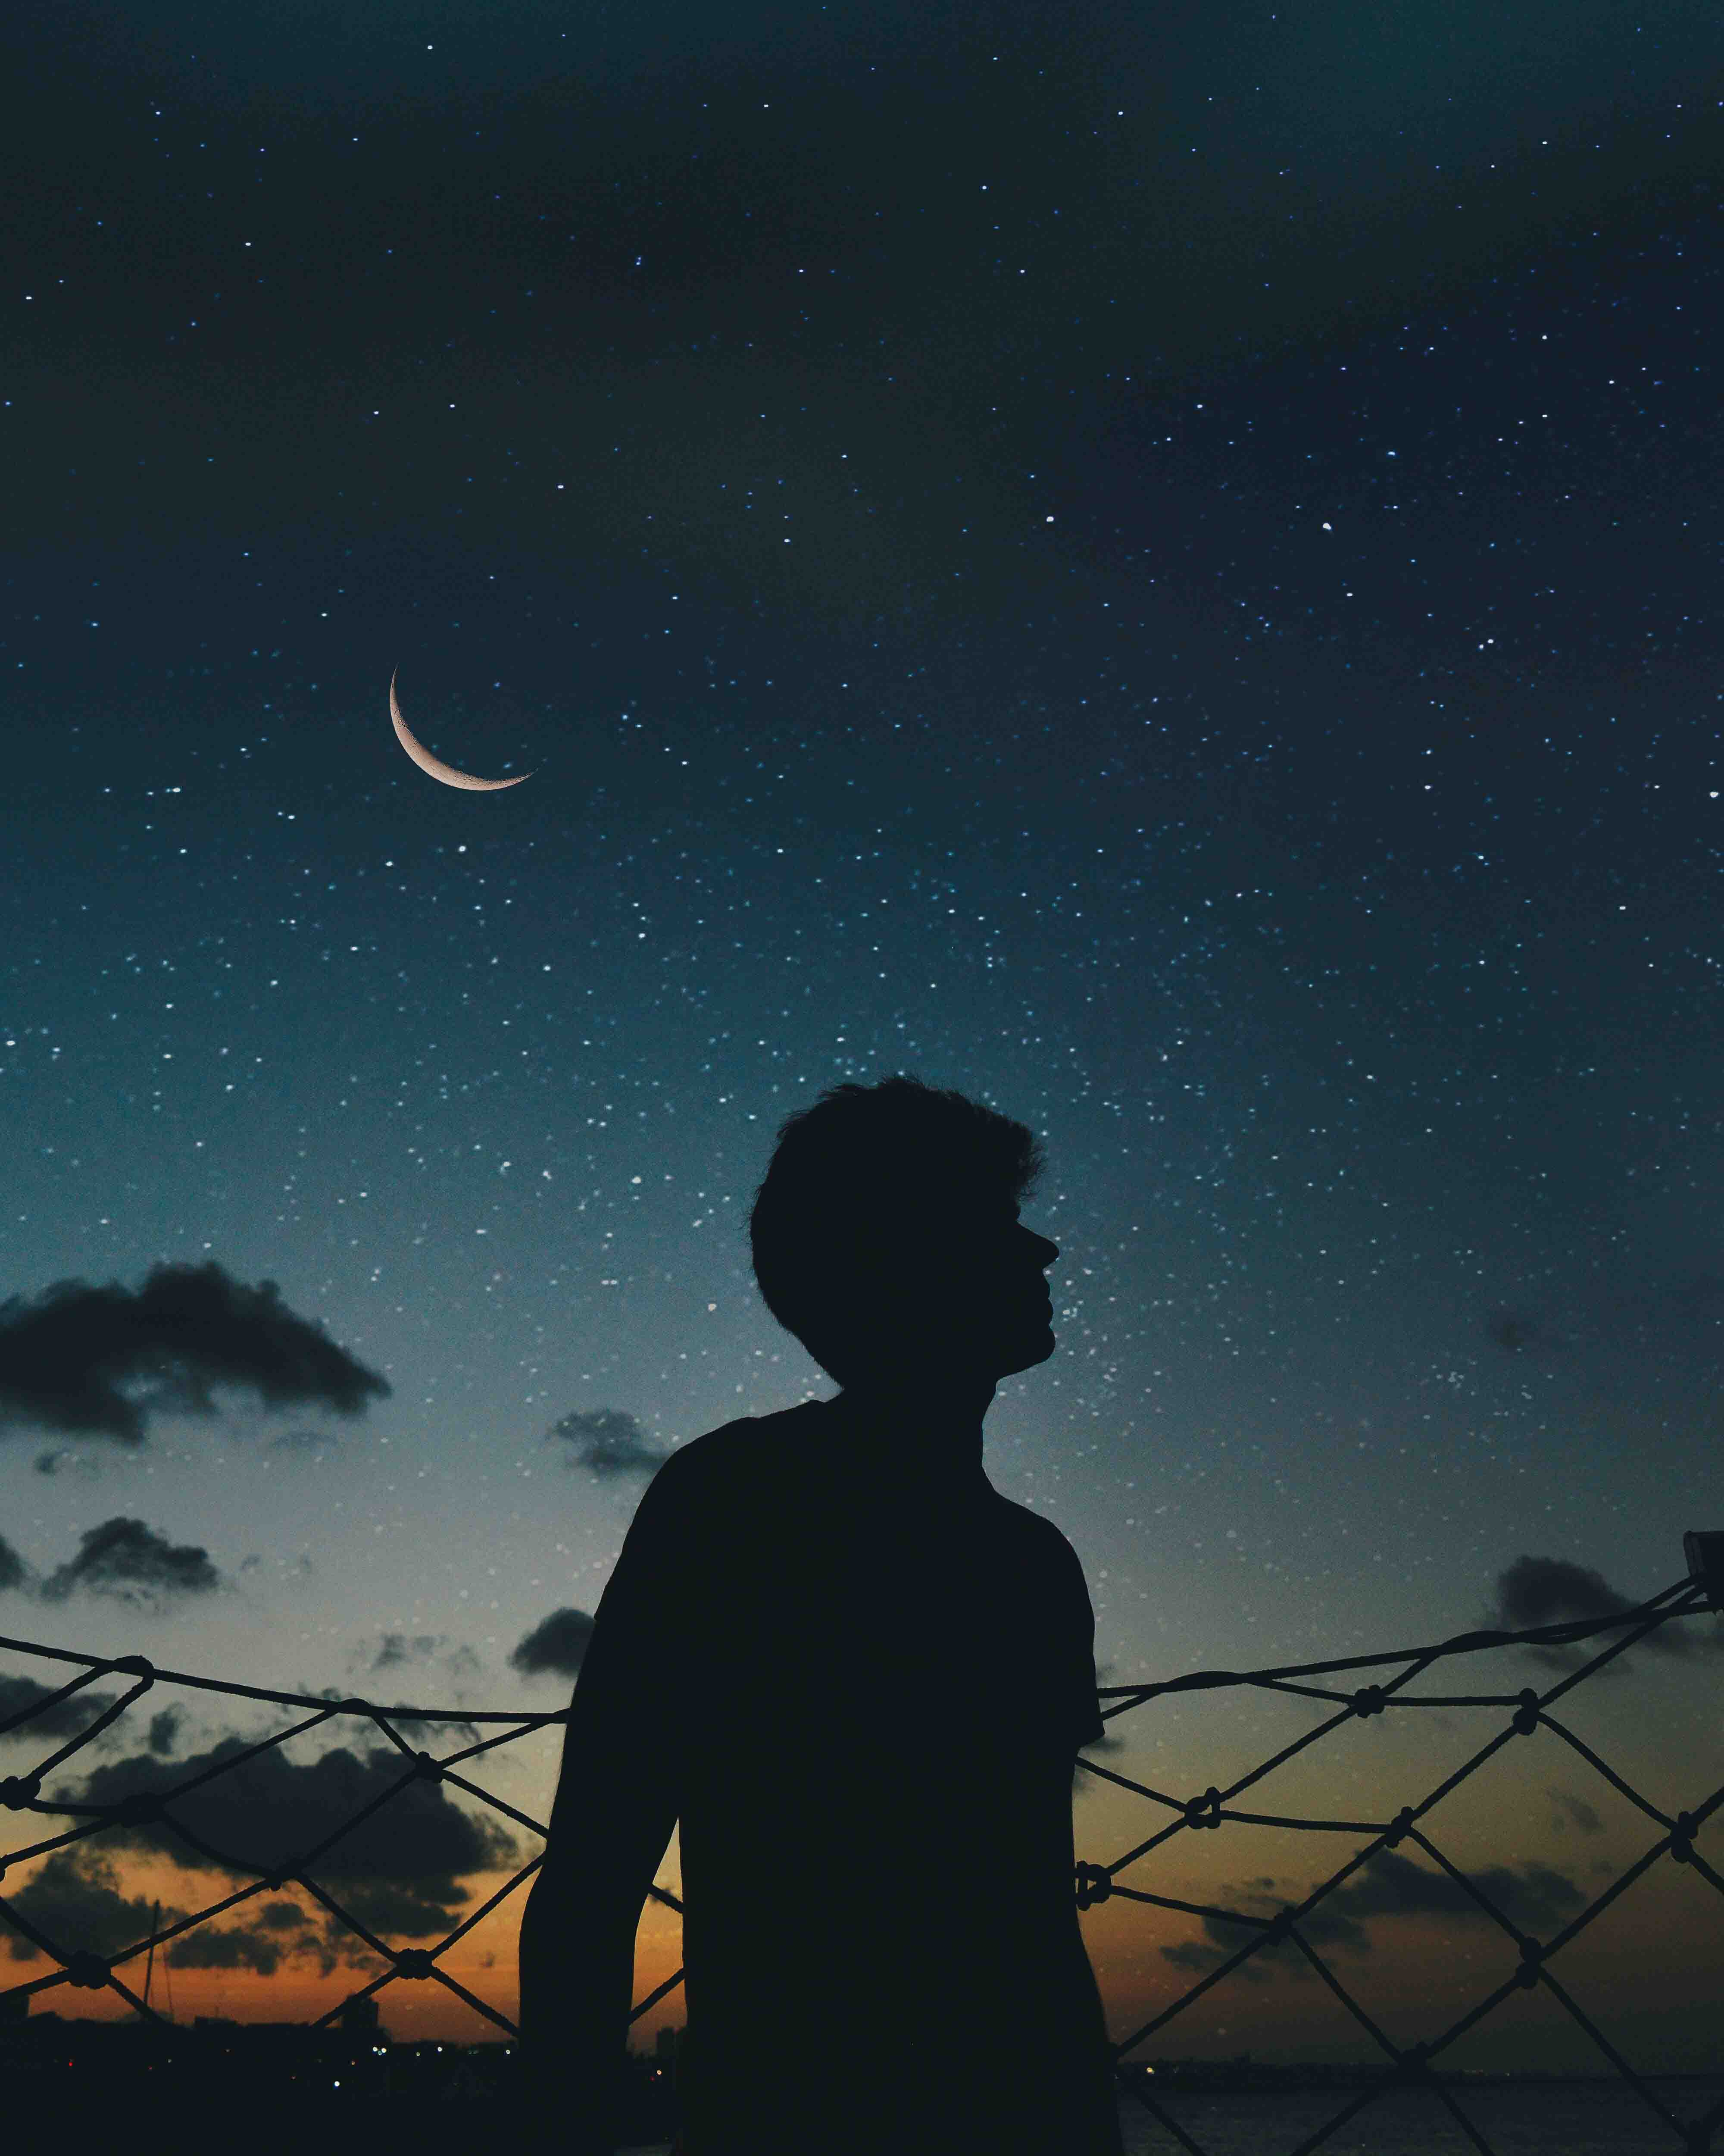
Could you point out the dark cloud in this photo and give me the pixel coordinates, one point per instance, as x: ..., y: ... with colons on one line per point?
x: 18, y: 1695
x: 283, y: 1917
x: 1535, y: 1898
x: 164, y: 1731
x: 1577, y: 1811
x: 609, y: 1441
x: 398, y: 1648
x: 65, y: 1358
x: 268, y: 1810
x: 14, y: 1571
x: 130, y: 1561
x: 75, y: 1900
x: 1550, y: 1590
x: 227, y: 1946
x: 1326, y: 1926
x: 57, y: 1460
x: 555, y: 1646
x: 444, y: 1728
x: 396, y: 1911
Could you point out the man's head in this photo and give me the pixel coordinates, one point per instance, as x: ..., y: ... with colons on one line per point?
x: 885, y: 1236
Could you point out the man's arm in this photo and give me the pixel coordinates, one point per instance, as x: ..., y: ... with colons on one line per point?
x: 617, y: 1801
x: 577, y: 1952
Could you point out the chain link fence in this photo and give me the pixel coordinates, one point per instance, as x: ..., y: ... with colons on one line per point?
x: 181, y: 1815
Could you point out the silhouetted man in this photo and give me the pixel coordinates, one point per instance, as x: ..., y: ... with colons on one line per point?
x: 859, y: 1677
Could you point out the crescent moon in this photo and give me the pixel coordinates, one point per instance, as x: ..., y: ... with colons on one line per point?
x: 446, y: 772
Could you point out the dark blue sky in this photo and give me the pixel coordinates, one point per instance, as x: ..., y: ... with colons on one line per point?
x: 1158, y: 570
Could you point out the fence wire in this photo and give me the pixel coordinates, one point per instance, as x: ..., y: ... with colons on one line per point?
x: 1412, y: 2066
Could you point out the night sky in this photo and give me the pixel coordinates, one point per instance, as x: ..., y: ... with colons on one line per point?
x: 1155, y: 567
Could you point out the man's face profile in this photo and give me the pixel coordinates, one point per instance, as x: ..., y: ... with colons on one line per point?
x: 963, y: 1292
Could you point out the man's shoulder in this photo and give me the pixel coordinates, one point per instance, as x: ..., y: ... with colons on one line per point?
x: 1039, y: 1535
x: 734, y: 1453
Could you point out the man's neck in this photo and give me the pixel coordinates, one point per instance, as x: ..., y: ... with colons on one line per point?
x: 933, y: 1426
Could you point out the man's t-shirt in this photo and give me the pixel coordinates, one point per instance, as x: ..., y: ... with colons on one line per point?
x: 866, y: 1689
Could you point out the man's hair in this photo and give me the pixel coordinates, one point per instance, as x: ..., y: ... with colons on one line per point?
x: 854, y: 1174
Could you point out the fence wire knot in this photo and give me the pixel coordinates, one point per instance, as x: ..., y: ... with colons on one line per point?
x: 1532, y: 1961
x: 1682, y: 1837
x: 1206, y: 1809
x: 136, y: 1666
x: 1402, y: 1828
x: 87, y: 1971
x: 426, y: 1768
x: 1093, y: 1884
x: 413, y: 1961
x: 1368, y: 1700
x: 1526, y: 1713
x: 18, y: 1792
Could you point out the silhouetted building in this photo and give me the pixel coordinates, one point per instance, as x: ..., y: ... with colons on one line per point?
x: 359, y: 2017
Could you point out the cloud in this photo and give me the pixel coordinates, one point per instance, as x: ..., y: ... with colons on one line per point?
x: 1550, y: 1590
x: 398, y: 1649
x: 555, y: 1647
x: 278, y: 1932
x: 164, y: 1731
x: 1326, y: 1926
x: 75, y: 1900
x: 227, y: 1946
x: 609, y: 1441
x: 1534, y: 1899
x: 268, y: 1811
x: 14, y: 1571
x: 411, y: 1912
x: 130, y: 1561
x: 282, y: 1916
x: 18, y: 1695
x: 445, y: 1728
x: 65, y: 1357
x: 62, y: 1457
x: 1577, y: 1811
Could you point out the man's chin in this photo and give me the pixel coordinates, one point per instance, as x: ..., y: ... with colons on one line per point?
x: 1036, y: 1347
